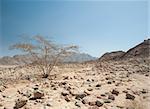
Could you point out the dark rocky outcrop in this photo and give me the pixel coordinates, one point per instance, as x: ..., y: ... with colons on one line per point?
x: 141, y: 50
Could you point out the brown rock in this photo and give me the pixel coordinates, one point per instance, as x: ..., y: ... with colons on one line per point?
x: 67, y: 98
x: 115, y: 92
x: 37, y: 95
x: 64, y: 93
x: 129, y: 96
x: 98, y: 103
x: 111, y: 97
x: 92, y: 103
x: 98, y: 85
x: 89, y: 89
x: 20, y: 103
x: 80, y: 96
x: 85, y: 101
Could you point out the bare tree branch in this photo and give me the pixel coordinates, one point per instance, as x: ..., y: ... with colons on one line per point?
x: 45, y: 54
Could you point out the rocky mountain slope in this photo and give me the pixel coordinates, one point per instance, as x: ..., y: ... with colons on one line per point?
x: 141, y: 50
x: 116, y: 55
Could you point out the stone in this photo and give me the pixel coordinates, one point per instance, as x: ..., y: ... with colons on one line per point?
x: 48, y: 103
x: 98, y: 103
x: 89, y: 89
x: 107, y: 100
x: 144, y: 91
x: 20, y: 103
x: 62, y: 83
x: 36, y: 87
x: 88, y: 80
x: 98, y: 85
x: 129, y: 96
x: 2, y: 88
x: 85, y: 101
x: 37, y: 95
x: 78, y: 104
x: 111, y: 97
x: 91, y: 103
x: 64, y: 93
x: 39, y: 101
x: 115, y: 92
x: 103, y: 95
x: 109, y: 82
x: 80, y: 96
x: 87, y: 92
x: 67, y: 98
x: 125, y: 91
x: 66, y: 78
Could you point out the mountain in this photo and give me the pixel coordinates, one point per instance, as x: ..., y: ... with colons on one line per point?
x: 79, y: 57
x: 22, y: 59
x: 116, y: 55
x: 141, y: 50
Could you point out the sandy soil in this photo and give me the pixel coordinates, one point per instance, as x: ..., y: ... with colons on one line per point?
x: 104, y: 85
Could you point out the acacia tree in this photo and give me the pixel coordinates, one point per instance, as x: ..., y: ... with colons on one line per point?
x: 45, y: 53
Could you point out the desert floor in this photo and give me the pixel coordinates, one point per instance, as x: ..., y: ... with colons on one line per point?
x: 105, y: 85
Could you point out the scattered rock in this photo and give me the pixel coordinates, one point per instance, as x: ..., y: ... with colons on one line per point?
x: 144, y: 91
x: 20, y: 103
x: 107, y: 100
x: 91, y: 103
x: 66, y: 77
x: 67, y: 98
x: 103, y: 95
x: 115, y: 92
x: 129, y: 96
x: 80, y: 96
x: 37, y: 95
x: 88, y: 80
x: 78, y: 104
x: 48, y: 103
x: 65, y: 93
x: 125, y: 91
x: 109, y: 82
x: 62, y: 83
x: 98, y: 103
x: 2, y: 88
x: 98, y: 85
x: 36, y: 87
x: 89, y: 89
x: 111, y: 97
x: 87, y: 92
x: 85, y: 101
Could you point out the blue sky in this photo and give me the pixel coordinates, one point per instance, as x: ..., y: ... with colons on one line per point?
x: 96, y: 26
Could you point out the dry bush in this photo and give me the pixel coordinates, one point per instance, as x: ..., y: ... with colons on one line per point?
x: 45, y: 53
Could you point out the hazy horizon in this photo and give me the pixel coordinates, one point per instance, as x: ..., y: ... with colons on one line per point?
x: 96, y: 26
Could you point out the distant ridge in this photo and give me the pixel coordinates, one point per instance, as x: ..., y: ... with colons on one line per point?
x: 22, y: 59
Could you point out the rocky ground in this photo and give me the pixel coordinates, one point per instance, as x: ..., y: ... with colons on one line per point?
x: 97, y: 85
